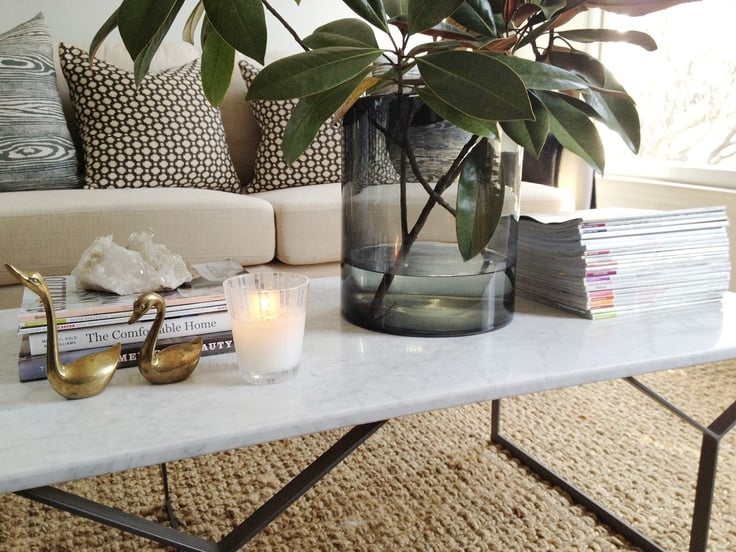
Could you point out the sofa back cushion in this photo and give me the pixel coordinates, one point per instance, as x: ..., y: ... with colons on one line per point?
x: 36, y: 148
x: 160, y: 133
x: 319, y: 164
x: 241, y: 130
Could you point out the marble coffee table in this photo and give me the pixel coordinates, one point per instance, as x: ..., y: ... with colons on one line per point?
x: 348, y: 377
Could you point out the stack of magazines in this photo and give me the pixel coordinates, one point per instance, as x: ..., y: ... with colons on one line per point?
x: 603, y: 263
x: 89, y: 321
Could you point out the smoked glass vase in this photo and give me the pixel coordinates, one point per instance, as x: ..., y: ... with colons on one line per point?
x: 402, y: 267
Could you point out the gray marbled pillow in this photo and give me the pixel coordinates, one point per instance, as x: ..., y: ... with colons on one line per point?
x: 36, y: 149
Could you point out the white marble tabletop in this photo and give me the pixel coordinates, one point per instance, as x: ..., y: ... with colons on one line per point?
x: 347, y: 376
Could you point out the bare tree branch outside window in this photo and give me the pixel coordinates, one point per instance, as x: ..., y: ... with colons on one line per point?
x: 686, y: 90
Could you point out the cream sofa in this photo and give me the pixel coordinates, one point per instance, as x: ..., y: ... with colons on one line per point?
x: 47, y: 230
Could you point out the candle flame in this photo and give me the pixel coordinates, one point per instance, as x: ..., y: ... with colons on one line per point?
x: 268, y: 305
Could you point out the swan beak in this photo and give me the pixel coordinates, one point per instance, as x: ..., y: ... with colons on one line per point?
x: 15, y: 272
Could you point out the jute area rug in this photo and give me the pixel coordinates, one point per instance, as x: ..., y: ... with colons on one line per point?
x: 434, y: 482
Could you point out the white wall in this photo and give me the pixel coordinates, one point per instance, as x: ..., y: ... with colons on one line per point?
x: 78, y: 20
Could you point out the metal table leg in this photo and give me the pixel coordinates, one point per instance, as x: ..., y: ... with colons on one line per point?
x: 239, y: 536
x: 705, y: 486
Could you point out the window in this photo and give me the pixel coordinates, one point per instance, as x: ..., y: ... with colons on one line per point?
x: 685, y: 92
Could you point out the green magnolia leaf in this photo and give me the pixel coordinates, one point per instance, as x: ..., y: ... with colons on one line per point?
x: 545, y: 20
x: 581, y: 64
x: 480, y: 127
x: 395, y: 8
x: 424, y: 15
x: 161, y: 18
x: 551, y: 8
x: 581, y: 106
x: 343, y: 32
x: 372, y: 11
x: 607, y: 35
x: 530, y: 135
x: 477, y: 15
x: 434, y: 47
x: 477, y: 85
x: 574, y: 129
x: 104, y: 31
x: 541, y: 76
x: 479, y: 201
x: 311, y: 113
x: 141, y: 21
x: 310, y: 72
x: 617, y: 111
x: 192, y: 21
x: 218, y: 58
x: 241, y: 23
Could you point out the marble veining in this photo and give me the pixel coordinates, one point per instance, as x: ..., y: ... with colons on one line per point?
x: 347, y: 376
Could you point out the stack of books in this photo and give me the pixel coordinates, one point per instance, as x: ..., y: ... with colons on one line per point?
x: 604, y: 263
x: 89, y: 320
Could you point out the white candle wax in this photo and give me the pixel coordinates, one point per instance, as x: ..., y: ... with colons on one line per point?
x: 268, y: 312
x: 267, y: 346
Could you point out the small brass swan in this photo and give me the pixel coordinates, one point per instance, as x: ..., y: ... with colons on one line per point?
x: 84, y: 377
x: 172, y: 364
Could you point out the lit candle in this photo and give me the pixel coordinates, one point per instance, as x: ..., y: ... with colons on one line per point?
x: 263, y: 305
x: 268, y: 346
x: 267, y: 324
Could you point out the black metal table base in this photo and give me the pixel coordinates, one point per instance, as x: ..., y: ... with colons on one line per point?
x: 258, y: 520
x: 705, y: 486
x: 239, y: 536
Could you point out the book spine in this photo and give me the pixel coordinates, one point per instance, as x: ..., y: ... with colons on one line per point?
x: 96, y: 320
x: 33, y: 367
x: 108, y: 335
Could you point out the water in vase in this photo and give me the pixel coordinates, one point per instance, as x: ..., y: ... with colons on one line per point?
x: 434, y: 292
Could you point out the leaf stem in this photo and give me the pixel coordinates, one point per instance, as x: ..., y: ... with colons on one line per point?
x: 285, y: 24
x: 409, y: 237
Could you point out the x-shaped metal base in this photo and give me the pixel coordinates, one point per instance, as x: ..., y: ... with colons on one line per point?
x: 239, y: 536
x: 270, y: 510
x: 704, y: 489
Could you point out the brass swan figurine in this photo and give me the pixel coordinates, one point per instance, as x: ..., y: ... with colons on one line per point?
x: 84, y: 377
x: 172, y: 364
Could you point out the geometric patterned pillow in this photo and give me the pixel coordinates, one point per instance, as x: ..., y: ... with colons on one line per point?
x: 36, y: 149
x: 162, y: 133
x: 319, y: 164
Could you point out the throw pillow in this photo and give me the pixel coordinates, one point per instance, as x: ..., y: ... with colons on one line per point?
x: 36, y: 148
x: 162, y: 133
x: 319, y: 164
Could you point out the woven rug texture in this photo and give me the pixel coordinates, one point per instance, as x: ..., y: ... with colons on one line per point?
x: 434, y: 481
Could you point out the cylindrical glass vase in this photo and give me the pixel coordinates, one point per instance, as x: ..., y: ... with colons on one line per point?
x: 402, y: 270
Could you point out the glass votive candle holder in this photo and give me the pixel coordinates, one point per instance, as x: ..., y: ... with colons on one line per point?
x: 268, y: 313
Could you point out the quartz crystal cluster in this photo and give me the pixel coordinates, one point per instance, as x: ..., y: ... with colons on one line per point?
x: 141, y: 266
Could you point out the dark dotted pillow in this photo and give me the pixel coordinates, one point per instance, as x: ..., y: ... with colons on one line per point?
x: 319, y: 164
x: 162, y: 133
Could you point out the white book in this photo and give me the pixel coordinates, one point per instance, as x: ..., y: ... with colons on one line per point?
x: 108, y: 335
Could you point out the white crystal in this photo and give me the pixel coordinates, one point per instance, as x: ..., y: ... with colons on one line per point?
x: 143, y: 266
x: 170, y: 267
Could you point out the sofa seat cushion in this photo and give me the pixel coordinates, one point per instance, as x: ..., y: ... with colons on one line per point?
x: 48, y: 230
x: 308, y: 223
x: 539, y: 198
